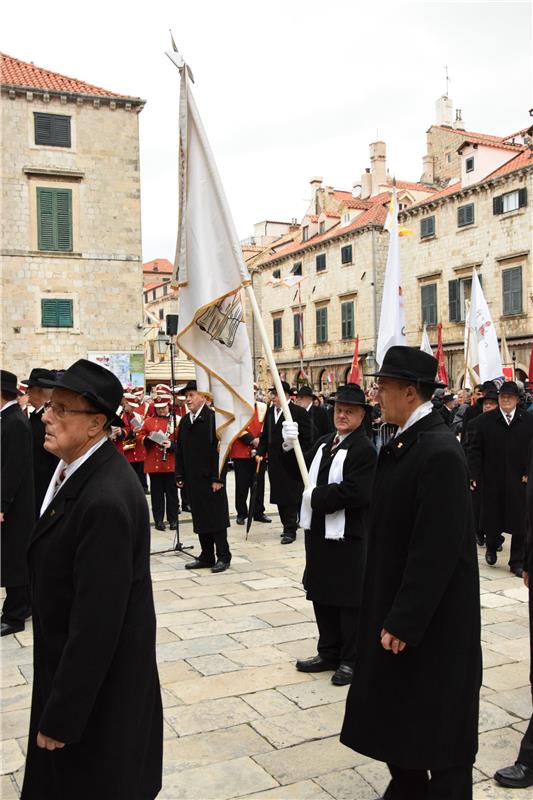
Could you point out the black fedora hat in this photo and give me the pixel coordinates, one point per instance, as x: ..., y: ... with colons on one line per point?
x: 352, y: 394
x: 490, y: 394
x: 305, y: 391
x: 409, y: 364
x: 510, y: 387
x: 284, y: 385
x: 190, y: 386
x: 37, y: 375
x: 9, y: 383
x: 97, y: 384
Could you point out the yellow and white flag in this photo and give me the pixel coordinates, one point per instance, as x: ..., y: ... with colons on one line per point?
x: 210, y: 271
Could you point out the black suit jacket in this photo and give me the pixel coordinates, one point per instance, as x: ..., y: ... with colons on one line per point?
x: 284, y: 488
x: 321, y: 422
x: 44, y: 463
x: 95, y: 682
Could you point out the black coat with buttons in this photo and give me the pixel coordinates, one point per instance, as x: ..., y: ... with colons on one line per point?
x: 285, y: 488
x: 419, y: 709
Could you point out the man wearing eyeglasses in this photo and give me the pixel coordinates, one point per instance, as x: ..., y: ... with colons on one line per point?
x: 96, y: 717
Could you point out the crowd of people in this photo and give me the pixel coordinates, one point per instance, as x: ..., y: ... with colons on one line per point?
x: 403, y: 480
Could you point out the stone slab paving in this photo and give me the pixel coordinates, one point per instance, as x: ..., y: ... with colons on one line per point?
x: 240, y: 721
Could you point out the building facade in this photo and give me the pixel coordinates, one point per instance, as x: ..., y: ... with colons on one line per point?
x: 71, y: 230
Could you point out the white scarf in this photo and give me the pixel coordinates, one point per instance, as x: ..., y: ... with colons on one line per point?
x: 334, y: 522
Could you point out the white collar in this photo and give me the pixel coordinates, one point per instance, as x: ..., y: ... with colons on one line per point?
x: 511, y: 414
x: 309, y: 407
x: 11, y: 403
x: 194, y: 416
x: 70, y: 469
x: 342, y: 436
x: 419, y: 413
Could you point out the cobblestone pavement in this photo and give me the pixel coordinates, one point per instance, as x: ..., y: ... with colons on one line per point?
x: 240, y: 721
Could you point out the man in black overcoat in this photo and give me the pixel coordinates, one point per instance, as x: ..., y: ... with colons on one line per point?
x: 497, y: 456
x: 414, y: 697
x: 285, y: 490
x: 197, y: 471
x: 17, y: 516
x: 334, y: 514
x: 44, y: 462
x: 520, y: 774
x: 321, y: 420
x: 96, y: 726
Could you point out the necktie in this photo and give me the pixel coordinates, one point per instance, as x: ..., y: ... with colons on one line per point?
x: 59, y: 481
x: 508, y: 418
x: 336, y: 441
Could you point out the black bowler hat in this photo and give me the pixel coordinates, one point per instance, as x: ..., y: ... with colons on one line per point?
x: 305, y: 391
x: 509, y: 387
x: 37, y: 375
x: 352, y: 394
x: 97, y: 384
x: 9, y: 382
x: 490, y: 394
x: 190, y: 386
x: 284, y: 385
x: 409, y: 364
x: 489, y: 386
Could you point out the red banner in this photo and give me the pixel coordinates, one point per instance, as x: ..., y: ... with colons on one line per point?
x: 354, y: 376
x: 442, y: 375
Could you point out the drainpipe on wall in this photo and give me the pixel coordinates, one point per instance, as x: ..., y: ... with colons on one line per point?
x: 375, y: 294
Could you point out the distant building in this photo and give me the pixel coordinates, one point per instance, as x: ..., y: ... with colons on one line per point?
x: 71, y: 228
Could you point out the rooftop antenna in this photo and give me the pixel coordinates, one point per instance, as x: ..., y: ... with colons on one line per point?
x: 447, y: 79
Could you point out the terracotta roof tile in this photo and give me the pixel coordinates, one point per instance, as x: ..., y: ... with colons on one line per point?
x: 416, y: 187
x: 20, y: 73
x: 331, y: 214
x: 470, y: 134
x: 454, y: 187
x: 523, y: 159
x: 163, y: 265
x: 501, y: 145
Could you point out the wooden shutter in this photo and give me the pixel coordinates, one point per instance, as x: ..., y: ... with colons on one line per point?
x: 453, y: 301
x: 54, y: 219
x: 497, y: 205
x: 465, y: 215
x: 56, y: 313
x: 64, y: 313
x: 45, y: 219
x: 522, y: 198
x: 49, y: 313
x: 52, y: 129
x: 64, y: 219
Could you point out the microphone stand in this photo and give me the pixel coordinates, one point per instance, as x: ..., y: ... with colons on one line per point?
x: 178, y: 546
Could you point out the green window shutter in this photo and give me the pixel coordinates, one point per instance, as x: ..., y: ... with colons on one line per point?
x: 64, y: 313
x: 57, y: 313
x: 497, y: 205
x: 52, y: 129
x: 49, y: 314
x: 64, y: 219
x: 45, y: 218
x: 522, y: 198
x: 453, y: 301
x: 54, y: 219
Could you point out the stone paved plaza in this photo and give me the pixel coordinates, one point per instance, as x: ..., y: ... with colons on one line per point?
x: 240, y: 721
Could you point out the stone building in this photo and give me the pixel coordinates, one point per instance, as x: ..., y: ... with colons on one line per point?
x: 341, y: 252
x: 71, y: 228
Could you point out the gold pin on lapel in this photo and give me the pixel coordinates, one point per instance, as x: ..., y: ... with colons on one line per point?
x: 400, y: 444
x: 52, y: 512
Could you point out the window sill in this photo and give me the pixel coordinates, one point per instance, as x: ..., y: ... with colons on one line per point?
x: 70, y: 331
x: 321, y: 272
x: 55, y: 254
x: 518, y: 315
x: 347, y: 264
x: 466, y: 227
x: 428, y: 238
x: 516, y: 212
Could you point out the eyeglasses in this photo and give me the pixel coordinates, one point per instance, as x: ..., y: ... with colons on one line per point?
x: 59, y: 410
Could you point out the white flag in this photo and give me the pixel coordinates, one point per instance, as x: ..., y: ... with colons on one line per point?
x: 210, y: 270
x: 483, y: 339
x: 425, y: 345
x: 392, y: 319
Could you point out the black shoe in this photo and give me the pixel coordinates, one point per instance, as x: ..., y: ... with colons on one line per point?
x: 160, y: 526
x: 220, y: 566
x: 8, y: 627
x: 262, y: 518
x: 343, y: 675
x: 241, y: 520
x: 198, y: 564
x: 518, y: 571
x: 173, y: 526
x: 315, y: 664
x: 287, y: 539
x: 516, y: 777
x: 491, y: 557
x: 480, y: 539
x: 185, y: 507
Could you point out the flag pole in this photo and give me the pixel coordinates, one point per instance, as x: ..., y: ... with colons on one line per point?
x: 277, y: 381
x: 466, y: 356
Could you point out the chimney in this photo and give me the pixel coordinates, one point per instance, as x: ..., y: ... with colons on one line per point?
x: 444, y: 111
x: 356, y: 189
x: 378, y: 165
x: 366, y: 184
x: 428, y: 173
x: 316, y: 184
x: 459, y: 124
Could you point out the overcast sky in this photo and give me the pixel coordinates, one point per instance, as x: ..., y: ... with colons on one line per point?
x: 286, y: 89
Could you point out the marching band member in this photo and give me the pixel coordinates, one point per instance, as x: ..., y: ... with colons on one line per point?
x: 159, y: 442
x: 129, y: 439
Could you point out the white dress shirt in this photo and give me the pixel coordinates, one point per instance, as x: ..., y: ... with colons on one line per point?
x: 55, y: 484
x: 419, y: 413
x: 195, y: 416
x: 508, y: 414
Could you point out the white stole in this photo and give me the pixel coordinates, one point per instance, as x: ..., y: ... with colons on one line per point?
x: 334, y: 522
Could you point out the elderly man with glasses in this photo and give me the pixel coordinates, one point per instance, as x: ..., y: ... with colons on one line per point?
x: 96, y: 717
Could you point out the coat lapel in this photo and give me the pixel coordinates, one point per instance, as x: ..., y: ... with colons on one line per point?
x: 402, y: 443
x: 72, y: 487
x: 328, y: 456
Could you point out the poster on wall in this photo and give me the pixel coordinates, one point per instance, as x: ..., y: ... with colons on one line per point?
x: 127, y: 366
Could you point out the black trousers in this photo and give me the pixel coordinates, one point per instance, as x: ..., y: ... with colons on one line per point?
x: 337, y: 633
x: 415, y: 784
x: 214, y: 542
x: 289, y: 518
x: 16, y: 605
x: 163, y: 488
x: 244, y: 469
x: 516, y: 558
x: 138, y: 468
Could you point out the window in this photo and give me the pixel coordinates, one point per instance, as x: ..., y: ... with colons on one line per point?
x: 459, y: 292
x: 428, y: 296
x: 465, y: 215
x: 146, y: 297
x: 298, y: 322
x: 276, y: 274
x: 427, y: 227
x: 347, y: 320
x: 321, y: 262
x: 512, y: 290
x: 321, y: 325
x: 448, y: 158
x: 322, y: 227
x: 296, y: 268
x: 52, y: 129
x: 57, y: 313
x: 165, y: 290
x: 469, y: 164
x: 276, y: 328
x: 153, y: 294
x: 54, y: 219
x: 152, y: 351
x: 346, y: 218
x: 305, y: 233
x: 161, y: 313
x: 509, y: 201
x: 346, y: 254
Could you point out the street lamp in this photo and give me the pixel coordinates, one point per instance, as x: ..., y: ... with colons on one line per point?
x: 161, y: 342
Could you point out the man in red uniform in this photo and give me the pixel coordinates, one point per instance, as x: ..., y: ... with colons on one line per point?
x: 129, y: 440
x: 242, y: 454
x: 159, y: 442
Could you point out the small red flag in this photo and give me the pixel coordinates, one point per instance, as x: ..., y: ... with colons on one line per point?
x: 354, y: 376
x: 441, y: 371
